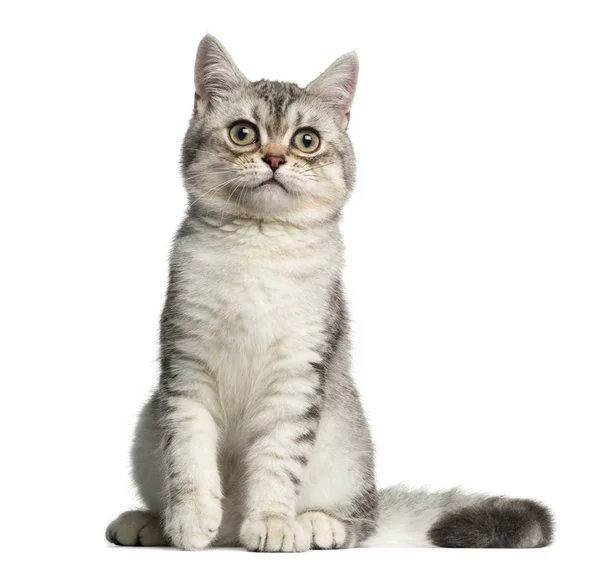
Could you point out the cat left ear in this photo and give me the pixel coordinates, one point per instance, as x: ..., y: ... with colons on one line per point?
x: 215, y: 74
x: 337, y: 84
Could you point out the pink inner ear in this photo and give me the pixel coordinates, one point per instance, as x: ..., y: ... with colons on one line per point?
x: 347, y: 115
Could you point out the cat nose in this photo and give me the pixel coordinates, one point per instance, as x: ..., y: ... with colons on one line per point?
x: 274, y: 161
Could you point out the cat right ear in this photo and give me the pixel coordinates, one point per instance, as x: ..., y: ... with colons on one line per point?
x: 215, y: 73
x: 337, y: 84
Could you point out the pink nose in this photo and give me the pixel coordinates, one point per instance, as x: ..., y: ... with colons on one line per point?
x: 274, y: 161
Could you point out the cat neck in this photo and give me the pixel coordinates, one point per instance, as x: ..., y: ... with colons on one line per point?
x: 253, y: 236
x: 205, y: 220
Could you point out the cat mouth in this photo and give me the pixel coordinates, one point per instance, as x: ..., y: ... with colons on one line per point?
x: 271, y: 182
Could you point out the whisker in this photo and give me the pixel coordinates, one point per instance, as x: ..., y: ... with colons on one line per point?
x: 203, y: 175
x: 238, y: 162
x: 318, y: 167
x: 213, y: 189
x: 215, y: 172
x: 244, y: 190
x: 227, y: 202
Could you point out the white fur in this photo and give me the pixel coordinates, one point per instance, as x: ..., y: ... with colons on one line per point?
x: 261, y: 328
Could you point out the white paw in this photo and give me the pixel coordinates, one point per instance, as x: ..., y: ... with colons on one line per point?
x: 274, y: 534
x: 135, y: 528
x: 192, y: 522
x: 326, y: 532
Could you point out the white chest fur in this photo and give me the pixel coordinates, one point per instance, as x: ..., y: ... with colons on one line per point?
x: 255, y: 300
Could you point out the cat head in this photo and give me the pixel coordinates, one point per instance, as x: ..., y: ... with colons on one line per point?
x: 268, y: 150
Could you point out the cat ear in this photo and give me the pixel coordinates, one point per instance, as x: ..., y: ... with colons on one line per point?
x: 337, y: 84
x: 215, y: 74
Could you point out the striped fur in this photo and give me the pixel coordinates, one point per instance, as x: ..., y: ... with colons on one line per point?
x: 256, y: 436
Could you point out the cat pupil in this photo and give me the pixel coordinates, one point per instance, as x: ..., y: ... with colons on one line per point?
x: 307, y: 140
x: 243, y: 133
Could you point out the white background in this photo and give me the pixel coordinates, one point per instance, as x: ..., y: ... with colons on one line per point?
x: 473, y: 245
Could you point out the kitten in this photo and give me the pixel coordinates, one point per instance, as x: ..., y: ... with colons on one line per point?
x: 255, y: 436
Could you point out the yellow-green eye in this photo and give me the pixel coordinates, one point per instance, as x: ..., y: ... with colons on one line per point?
x: 306, y: 140
x: 243, y: 134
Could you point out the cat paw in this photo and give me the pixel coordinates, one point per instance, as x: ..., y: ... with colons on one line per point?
x: 326, y: 532
x: 193, y: 522
x: 135, y: 528
x: 274, y: 534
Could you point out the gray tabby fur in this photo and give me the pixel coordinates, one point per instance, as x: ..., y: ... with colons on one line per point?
x: 256, y: 436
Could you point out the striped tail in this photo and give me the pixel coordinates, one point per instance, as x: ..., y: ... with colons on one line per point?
x: 417, y: 518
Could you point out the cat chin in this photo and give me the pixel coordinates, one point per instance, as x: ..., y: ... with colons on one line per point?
x: 270, y: 187
x: 269, y: 197
x: 271, y: 201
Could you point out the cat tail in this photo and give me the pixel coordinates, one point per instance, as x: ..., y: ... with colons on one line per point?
x: 417, y: 518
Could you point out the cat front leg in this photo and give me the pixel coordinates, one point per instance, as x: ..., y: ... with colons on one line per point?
x: 284, y: 428
x: 190, y: 437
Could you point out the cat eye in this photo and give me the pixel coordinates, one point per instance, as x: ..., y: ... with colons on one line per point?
x: 306, y: 140
x: 243, y: 134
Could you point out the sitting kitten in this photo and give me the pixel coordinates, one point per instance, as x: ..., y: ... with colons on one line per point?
x: 255, y: 436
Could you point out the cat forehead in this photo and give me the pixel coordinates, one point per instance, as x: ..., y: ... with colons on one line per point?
x: 277, y: 106
x: 276, y: 96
